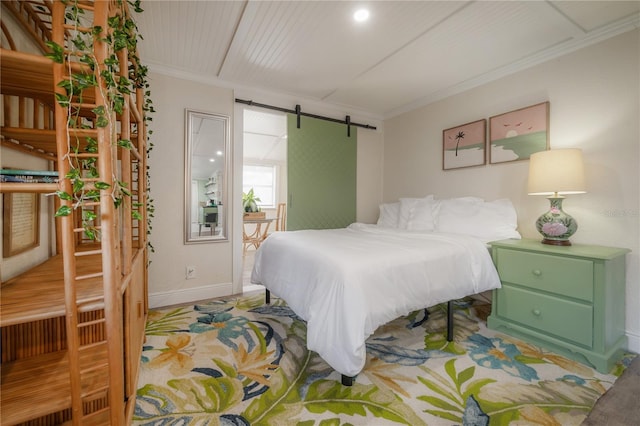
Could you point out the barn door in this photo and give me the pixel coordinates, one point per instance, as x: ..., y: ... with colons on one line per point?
x: 321, y: 177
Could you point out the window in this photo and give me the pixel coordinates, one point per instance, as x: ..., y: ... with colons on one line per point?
x: 263, y: 181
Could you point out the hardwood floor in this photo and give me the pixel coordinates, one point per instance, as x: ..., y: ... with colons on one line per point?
x: 247, y: 265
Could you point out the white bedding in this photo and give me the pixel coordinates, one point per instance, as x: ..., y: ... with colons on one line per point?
x: 347, y: 282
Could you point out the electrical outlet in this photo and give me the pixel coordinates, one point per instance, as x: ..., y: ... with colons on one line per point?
x: 191, y: 272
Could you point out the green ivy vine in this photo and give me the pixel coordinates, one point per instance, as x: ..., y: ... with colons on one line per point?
x: 122, y: 33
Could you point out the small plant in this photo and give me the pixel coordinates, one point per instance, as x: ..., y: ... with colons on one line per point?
x: 250, y: 201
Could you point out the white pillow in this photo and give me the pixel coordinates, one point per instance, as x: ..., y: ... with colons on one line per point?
x: 488, y: 221
x: 407, y: 206
x: 421, y: 217
x: 389, y: 215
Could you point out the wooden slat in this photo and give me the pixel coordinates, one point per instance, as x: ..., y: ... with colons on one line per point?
x: 89, y: 388
x: 6, y: 187
x: 39, y: 292
x: 25, y: 74
x: 31, y: 76
x: 23, y: 399
x: 43, y: 140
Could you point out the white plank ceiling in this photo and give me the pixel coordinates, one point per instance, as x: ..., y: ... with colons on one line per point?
x: 409, y: 53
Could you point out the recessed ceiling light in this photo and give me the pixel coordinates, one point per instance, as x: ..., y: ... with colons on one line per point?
x: 219, y: 153
x: 361, y: 15
x: 212, y: 160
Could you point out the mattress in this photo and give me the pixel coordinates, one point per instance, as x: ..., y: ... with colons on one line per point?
x: 347, y: 282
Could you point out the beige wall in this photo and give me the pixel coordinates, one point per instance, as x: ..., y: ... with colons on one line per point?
x: 369, y: 174
x: 594, y: 97
x: 167, y: 282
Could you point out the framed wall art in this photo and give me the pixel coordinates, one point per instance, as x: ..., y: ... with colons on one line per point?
x: 20, y: 223
x: 515, y: 135
x: 464, y: 146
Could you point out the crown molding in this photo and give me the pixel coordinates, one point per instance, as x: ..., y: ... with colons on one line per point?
x: 629, y: 23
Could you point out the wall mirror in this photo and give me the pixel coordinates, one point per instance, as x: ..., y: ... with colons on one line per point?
x: 207, y: 165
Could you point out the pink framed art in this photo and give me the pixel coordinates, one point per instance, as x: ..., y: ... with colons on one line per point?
x: 515, y: 135
x: 464, y: 146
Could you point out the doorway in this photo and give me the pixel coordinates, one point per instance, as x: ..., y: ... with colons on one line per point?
x: 264, y: 166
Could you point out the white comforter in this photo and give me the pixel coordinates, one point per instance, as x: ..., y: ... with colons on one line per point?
x: 347, y: 282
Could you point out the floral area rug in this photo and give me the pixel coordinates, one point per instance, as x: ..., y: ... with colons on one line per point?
x: 242, y: 362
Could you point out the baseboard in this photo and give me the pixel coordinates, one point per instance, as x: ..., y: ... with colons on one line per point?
x: 189, y: 295
x: 633, y: 342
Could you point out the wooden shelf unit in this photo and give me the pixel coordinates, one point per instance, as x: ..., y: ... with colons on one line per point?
x: 72, y: 327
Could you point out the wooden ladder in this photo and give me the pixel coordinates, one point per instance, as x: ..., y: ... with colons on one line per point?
x: 94, y: 336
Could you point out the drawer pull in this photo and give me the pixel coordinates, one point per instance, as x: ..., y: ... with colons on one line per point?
x: 536, y: 272
x: 536, y: 312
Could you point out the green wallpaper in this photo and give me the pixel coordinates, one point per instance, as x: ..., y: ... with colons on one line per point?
x: 321, y: 174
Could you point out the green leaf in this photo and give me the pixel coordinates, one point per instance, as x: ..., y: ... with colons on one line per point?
x: 170, y: 322
x: 434, y: 386
x: 327, y: 422
x: 92, y: 195
x: 77, y: 185
x: 450, y: 368
x: 281, y: 401
x: 199, y: 397
x: 474, y: 387
x: 99, y: 110
x: 102, y: 121
x: 445, y: 415
x: 72, y: 174
x: 64, y: 195
x: 228, y: 369
x: 441, y: 403
x: 329, y: 395
x: 88, y: 215
x: 90, y: 233
x: 63, y: 211
x: 102, y: 185
x: 125, y: 143
x: 62, y: 100
x: 57, y: 52
x: 465, y: 375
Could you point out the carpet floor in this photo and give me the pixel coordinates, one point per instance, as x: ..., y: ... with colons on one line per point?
x: 238, y: 361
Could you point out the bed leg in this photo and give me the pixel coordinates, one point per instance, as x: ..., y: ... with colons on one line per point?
x: 267, y: 297
x: 347, y: 380
x: 449, y: 321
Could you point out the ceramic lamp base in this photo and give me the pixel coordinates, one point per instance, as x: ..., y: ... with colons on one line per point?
x: 556, y: 226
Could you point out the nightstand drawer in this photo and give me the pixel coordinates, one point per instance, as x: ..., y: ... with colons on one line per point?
x: 556, y: 274
x: 564, y: 318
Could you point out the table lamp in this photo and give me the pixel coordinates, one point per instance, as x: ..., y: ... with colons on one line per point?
x: 554, y: 173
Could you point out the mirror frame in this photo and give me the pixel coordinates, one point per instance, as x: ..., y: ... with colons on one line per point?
x: 225, y: 188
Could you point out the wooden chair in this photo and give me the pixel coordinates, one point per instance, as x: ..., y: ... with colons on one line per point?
x: 281, y: 217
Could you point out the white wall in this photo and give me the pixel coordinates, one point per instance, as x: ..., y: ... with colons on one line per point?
x: 595, y: 106
x: 167, y: 281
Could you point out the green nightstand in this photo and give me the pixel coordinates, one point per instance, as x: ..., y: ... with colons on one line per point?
x: 570, y: 300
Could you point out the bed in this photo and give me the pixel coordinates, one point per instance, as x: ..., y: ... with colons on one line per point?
x: 347, y: 282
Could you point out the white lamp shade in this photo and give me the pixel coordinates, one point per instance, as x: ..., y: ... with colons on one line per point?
x: 558, y: 171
